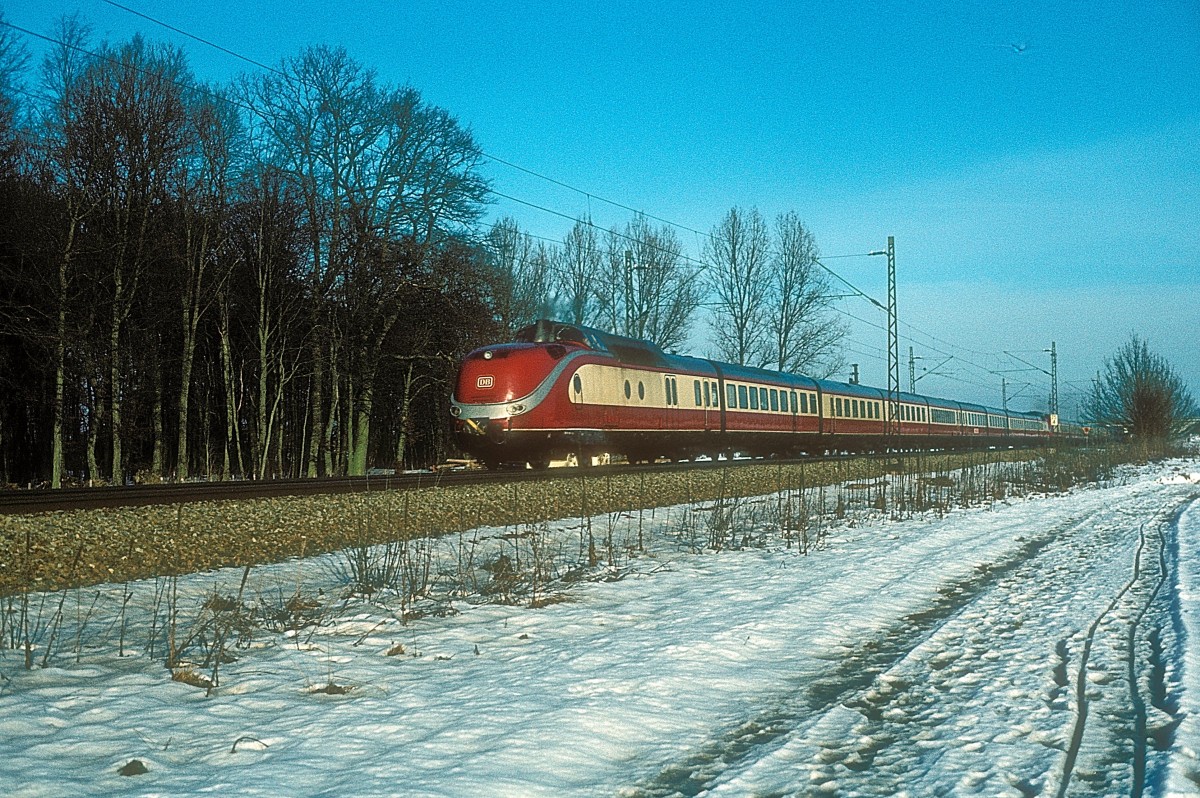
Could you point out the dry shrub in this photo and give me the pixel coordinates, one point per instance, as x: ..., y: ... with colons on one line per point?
x: 187, y: 674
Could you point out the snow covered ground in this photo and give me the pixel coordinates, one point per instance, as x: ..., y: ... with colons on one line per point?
x: 1027, y: 648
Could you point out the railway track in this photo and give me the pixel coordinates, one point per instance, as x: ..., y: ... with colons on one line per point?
x: 46, y: 500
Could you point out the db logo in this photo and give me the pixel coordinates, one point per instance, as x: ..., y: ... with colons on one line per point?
x: 486, y: 381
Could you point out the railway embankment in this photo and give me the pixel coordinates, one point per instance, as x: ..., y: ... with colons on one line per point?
x: 61, y: 549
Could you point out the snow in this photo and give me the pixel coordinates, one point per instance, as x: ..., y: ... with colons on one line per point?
x: 927, y: 656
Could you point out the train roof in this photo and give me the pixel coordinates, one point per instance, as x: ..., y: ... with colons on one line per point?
x: 749, y: 373
x: 640, y: 352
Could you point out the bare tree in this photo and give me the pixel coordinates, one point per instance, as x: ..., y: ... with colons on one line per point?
x: 522, y: 291
x: 577, y: 267
x: 805, y: 333
x: 14, y: 57
x: 737, y: 260
x: 1139, y: 392
x: 129, y: 124
x: 266, y: 233
x: 316, y: 116
x: 202, y: 260
x: 374, y: 166
x: 65, y: 176
x: 647, y: 288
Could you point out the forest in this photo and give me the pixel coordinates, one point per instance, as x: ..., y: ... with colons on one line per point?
x: 277, y: 277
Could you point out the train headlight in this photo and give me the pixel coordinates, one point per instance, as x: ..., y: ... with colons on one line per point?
x: 516, y: 410
x: 455, y: 411
x: 488, y: 355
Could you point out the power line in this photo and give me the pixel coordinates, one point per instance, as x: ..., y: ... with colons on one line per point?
x: 197, y: 87
x: 193, y: 36
x: 595, y: 226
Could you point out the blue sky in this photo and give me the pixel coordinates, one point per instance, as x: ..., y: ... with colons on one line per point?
x: 1048, y: 194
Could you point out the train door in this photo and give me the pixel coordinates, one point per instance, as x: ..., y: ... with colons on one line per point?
x: 582, y: 416
x: 670, y: 409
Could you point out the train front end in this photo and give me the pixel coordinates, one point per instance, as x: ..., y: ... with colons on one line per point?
x: 505, y: 406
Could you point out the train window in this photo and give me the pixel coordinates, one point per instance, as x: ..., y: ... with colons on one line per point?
x: 696, y: 385
x: 763, y: 398
x: 838, y: 404
x: 774, y: 399
x: 795, y: 407
x: 731, y: 395
x: 943, y: 416
x: 753, y: 398
x: 812, y: 403
x: 716, y: 395
x: 803, y: 402
x: 641, y: 390
x: 743, y: 402
x: 578, y: 384
x: 627, y: 391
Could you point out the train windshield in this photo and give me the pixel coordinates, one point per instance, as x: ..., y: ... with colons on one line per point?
x: 550, y: 332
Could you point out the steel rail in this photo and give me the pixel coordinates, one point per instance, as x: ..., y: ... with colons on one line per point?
x: 40, y: 500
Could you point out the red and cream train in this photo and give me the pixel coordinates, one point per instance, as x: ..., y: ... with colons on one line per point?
x: 562, y: 389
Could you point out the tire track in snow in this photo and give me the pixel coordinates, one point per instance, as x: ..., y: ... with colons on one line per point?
x: 931, y: 725
x: 854, y: 675
x: 1131, y: 737
x: 1082, y: 702
x: 1141, y: 716
x: 881, y: 721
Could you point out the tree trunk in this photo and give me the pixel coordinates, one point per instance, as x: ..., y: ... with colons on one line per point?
x: 316, y: 408
x: 232, y: 438
x: 182, y: 469
x: 156, y: 466
x: 117, y: 474
x: 95, y: 416
x: 60, y: 368
x: 362, y: 433
x: 405, y: 405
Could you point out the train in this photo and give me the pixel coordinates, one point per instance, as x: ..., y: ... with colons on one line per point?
x: 562, y: 391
